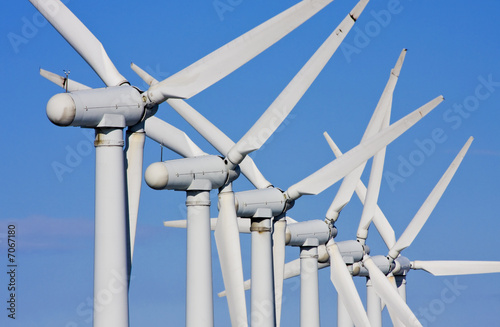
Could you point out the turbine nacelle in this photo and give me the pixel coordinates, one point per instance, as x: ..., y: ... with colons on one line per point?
x: 261, y: 203
x: 352, y: 251
x: 117, y: 106
x: 382, y: 263
x: 308, y: 233
x: 199, y: 173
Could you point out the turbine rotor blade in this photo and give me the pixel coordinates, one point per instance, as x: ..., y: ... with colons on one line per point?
x: 390, y: 295
x: 395, y: 321
x: 342, y: 280
x: 428, y: 206
x: 243, y: 224
x: 134, y: 151
x: 451, y: 268
x: 247, y: 284
x: 150, y: 80
x: 382, y: 109
x: 379, y: 219
x: 337, y: 169
x: 66, y: 83
x: 373, y: 190
x: 171, y: 137
x: 223, y: 61
x: 227, y: 238
x: 277, y: 112
x: 81, y: 39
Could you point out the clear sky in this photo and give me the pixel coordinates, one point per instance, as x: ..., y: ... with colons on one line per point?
x: 453, y: 51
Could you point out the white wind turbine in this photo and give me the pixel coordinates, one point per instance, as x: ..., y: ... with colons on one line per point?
x: 197, y: 178
x: 272, y: 202
x: 349, y: 300
x: 312, y: 236
x: 396, y: 266
x: 349, y: 308
x: 157, y: 178
x: 109, y: 110
x: 391, y: 289
x: 399, y: 311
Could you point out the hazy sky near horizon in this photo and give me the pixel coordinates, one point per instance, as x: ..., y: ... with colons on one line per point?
x: 453, y: 50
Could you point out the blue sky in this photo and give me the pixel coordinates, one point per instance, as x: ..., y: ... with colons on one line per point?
x: 453, y: 50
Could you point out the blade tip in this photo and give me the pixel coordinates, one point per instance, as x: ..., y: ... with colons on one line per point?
x: 358, y: 9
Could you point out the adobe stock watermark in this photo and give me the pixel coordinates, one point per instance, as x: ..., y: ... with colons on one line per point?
x: 30, y: 26
x: 363, y: 36
x: 427, y: 315
x: 453, y: 119
x: 222, y: 7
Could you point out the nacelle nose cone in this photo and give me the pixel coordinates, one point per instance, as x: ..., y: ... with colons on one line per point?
x: 156, y: 176
x: 61, y: 109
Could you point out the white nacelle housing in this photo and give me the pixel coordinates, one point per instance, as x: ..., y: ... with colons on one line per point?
x: 352, y: 251
x: 308, y: 233
x: 262, y: 203
x: 117, y: 106
x: 199, y: 173
x: 382, y: 263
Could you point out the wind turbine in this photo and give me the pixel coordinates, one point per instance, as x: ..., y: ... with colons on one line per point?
x: 159, y: 176
x: 109, y: 110
x: 397, y: 266
x: 382, y: 286
x: 378, y: 267
x: 275, y: 201
x: 350, y: 305
x: 309, y: 242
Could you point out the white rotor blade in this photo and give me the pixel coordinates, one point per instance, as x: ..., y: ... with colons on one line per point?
x: 373, y: 187
x: 63, y: 82
x: 243, y: 224
x: 227, y: 238
x: 385, y: 102
x: 348, y: 185
x: 247, y: 285
x: 81, y: 39
x: 380, y: 221
x: 450, y: 268
x: 150, y: 80
x: 218, y: 139
x: 337, y: 169
x: 390, y: 295
x: 342, y: 280
x: 279, y: 243
x: 395, y: 321
x: 272, y: 118
x: 292, y: 269
x: 223, y: 61
x: 182, y: 223
x: 171, y: 137
x: 134, y: 159
x: 428, y: 206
